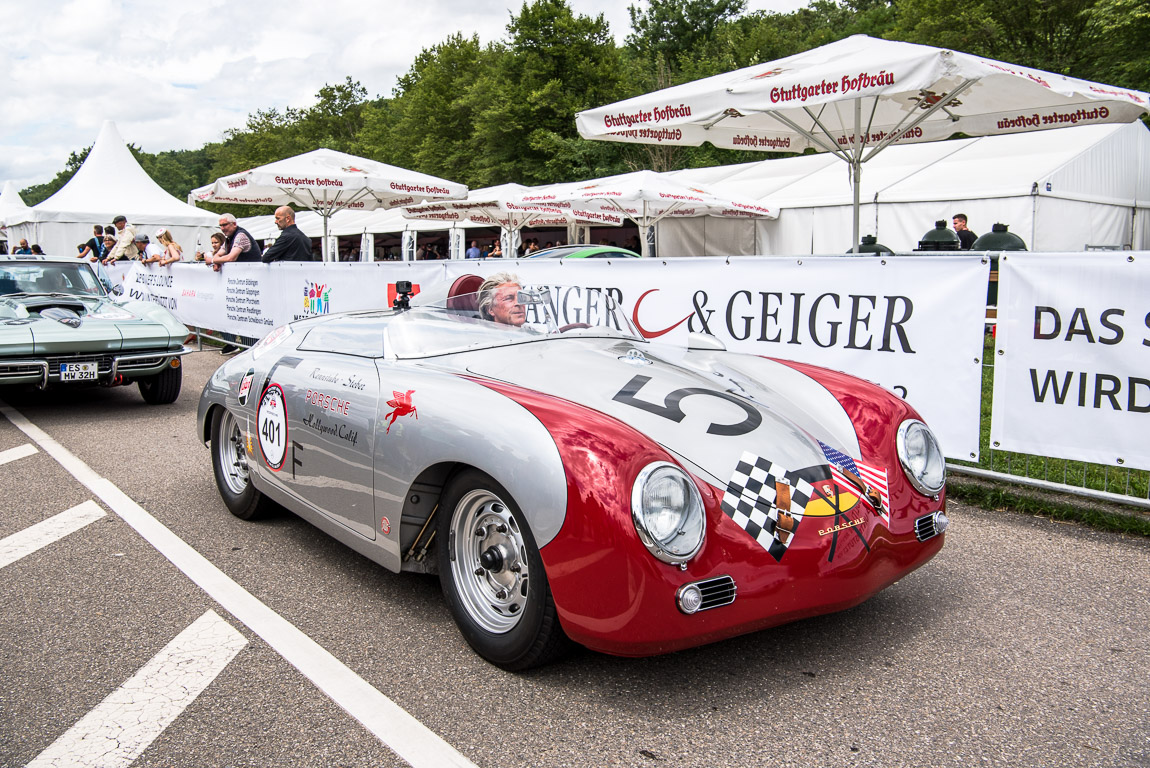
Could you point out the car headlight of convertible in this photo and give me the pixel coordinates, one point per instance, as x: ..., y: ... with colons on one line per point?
x: 668, y: 513
x: 920, y: 456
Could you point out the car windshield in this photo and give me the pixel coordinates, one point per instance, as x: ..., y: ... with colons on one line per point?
x: 39, y: 277
x: 439, y: 324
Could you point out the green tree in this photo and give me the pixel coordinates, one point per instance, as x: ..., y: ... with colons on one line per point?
x: 556, y: 64
x: 336, y: 119
x: 678, y: 30
x: 428, y: 125
x: 1058, y: 36
x: 1125, y: 25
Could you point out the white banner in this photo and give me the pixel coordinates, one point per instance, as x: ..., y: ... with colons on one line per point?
x: 1072, y: 364
x: 913, y: 324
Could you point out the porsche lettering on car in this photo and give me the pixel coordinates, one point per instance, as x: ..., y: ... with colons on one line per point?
x: 60, y: 326
x: 577, y: 483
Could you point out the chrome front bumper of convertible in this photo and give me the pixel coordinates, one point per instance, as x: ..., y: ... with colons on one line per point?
x: 40, y: 371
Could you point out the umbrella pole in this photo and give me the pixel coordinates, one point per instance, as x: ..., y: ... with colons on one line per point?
x: 645, y: 244
x: 326, y: 249
x: 856, y: 173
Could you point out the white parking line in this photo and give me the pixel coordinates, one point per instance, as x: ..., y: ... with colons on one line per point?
x: 40, y: 535
x: 414, y: 742
x: 122, y: 726
x: 18, y: 452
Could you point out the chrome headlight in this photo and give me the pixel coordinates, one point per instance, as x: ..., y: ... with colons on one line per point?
x: 668, y: 512
x: 920, y: 456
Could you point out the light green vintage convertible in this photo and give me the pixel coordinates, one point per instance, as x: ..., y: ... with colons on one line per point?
x: 61, y: 326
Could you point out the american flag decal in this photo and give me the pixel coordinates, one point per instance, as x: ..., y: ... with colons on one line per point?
x: 873, y: 477
x: 767, y: 501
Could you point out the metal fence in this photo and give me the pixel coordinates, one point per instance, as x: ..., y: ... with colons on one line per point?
x: 1113, y: 484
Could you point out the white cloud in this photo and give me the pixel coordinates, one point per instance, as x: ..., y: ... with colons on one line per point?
x: 177, y: 75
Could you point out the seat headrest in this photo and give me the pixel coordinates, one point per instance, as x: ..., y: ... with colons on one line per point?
x: 462, y: 294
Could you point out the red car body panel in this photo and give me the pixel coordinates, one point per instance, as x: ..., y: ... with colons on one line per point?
x: 614, y: 596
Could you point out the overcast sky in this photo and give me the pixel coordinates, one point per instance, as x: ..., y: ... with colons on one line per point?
x: 176, y: 75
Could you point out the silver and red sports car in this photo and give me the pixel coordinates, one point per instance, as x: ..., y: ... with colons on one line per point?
x: 575, y: 482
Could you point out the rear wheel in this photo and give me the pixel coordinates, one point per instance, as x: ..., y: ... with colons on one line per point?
x: 230, y: 466
x: 164, y: 387
x: 492, y: 576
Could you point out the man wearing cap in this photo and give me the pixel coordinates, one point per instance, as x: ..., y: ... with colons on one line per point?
x: 125, y: 247
x: 292, y: 244
x: 238, y: 245
x: 148, y: 252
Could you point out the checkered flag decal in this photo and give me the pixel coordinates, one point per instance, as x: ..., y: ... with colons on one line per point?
x: 751, y: 502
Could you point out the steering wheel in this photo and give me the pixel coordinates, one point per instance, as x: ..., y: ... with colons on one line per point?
x: 573, y: 326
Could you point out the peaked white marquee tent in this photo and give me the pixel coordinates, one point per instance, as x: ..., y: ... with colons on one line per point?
x: 1058, y: 190
x: 108, y: 184
x: 11, y: 204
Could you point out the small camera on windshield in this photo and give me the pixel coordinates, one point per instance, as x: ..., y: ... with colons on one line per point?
x: 402, y: 295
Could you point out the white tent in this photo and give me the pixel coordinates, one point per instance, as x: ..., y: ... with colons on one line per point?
x: 11, y: 205
x: 109, y: 183
x: 1058, y: 190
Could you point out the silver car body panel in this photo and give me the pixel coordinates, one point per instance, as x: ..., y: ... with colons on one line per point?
x: 358, y: 469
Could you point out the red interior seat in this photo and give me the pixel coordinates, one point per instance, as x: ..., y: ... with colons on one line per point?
x: 462, y: 294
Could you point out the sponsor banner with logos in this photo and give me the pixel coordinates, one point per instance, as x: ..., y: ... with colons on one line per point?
x: 251, y: 299
x: 1072, y: 358
x: 913, y: 324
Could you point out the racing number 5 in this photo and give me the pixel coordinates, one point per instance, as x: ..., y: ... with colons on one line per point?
x: 670, y: 409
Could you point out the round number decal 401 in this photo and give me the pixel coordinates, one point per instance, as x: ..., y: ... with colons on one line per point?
x: 271, y: 420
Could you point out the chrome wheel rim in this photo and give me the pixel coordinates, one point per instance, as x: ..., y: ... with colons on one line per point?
x: 489, y: 561
x: 230, y: 454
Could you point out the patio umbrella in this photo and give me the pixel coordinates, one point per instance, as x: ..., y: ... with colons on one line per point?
x: 857, y: 96
x: 646, y: 198
x: 503, y: 206
x: 327, y: 181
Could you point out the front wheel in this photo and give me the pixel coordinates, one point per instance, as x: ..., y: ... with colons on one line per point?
x: 164, y: 387
x: 230, y: 466
x: 492, y: 576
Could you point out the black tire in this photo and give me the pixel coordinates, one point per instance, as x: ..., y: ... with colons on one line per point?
x: 230, y: 466
x: 492, y: 575
x: 164, y: 387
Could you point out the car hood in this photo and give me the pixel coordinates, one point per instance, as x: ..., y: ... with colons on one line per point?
x: 707, y: 407
x: 41, y: 324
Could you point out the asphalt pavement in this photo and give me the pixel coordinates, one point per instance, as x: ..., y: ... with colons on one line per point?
x: 1025, y: 642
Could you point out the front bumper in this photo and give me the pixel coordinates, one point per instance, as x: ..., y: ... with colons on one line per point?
x: 42, y: 370
x: 619, y: 600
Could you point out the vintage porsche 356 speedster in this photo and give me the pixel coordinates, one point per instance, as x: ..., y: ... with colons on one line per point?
x: 578, y: 482
x: 61, y: 326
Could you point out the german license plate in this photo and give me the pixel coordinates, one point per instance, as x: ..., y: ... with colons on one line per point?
x: 78, y: 372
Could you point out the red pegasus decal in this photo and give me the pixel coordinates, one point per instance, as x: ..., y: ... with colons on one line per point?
x: 403, y: 407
